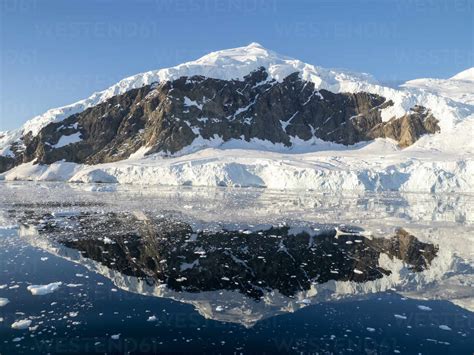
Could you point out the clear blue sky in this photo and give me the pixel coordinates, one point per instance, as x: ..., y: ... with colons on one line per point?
x: 56, y: 52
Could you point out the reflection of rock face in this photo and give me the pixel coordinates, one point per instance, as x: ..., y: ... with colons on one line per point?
x: 166, y: 251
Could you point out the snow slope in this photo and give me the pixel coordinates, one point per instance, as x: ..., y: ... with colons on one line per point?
x: 376, y: 166
x: 440, y: 162
x: 459, y: 88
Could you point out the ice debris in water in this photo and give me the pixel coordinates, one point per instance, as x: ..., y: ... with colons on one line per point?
x: 444, y: 327
x: 21, y: 324
x: 4, y: 301
x: 400, y: 316
x: 424, y: 308
x: 40, y: 290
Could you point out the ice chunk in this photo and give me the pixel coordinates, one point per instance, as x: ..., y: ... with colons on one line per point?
x: 424, y: 308
x: 4, y: 301
x: 40, y: 290
x: 21, y: 324
x: 444, y: 327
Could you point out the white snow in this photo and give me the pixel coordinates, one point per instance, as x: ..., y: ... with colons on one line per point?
x: 459, y: 88
x: 436, y: 163
x: 40, y: 290
x: 107, y: 240
x: 467, y: 75
x: 21, y: 324
x: 66, y: 140
x: 188, y: 102
x: 375, y: 166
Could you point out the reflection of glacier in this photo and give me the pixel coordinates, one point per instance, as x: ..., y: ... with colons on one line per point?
x: 253, y: 205
x: 442, y: 220
x: 236, y: 276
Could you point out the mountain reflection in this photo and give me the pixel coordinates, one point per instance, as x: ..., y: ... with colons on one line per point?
x: 253, y: 261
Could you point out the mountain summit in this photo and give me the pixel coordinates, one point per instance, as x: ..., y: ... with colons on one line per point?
x: 467, y: 75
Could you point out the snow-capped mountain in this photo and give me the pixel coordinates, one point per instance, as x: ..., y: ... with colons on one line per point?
x: 251, y: 98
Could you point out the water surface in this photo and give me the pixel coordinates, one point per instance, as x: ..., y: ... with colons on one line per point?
x: 234, y: 270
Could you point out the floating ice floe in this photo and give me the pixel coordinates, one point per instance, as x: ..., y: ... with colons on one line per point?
x: 4, y: 301
x: 21, y: 324
x: 40, y: 290
x: 424, y: 308
x: 399, y: 316
x: 444, y: 327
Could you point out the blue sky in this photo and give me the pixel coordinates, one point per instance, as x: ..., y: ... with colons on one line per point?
x: 56, y: 52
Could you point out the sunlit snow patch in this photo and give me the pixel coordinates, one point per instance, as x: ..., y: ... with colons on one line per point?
x: 66, y: 140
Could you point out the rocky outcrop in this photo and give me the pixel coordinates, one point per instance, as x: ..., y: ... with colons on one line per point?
x: 6, y: 163
x: 407, y: 129
x: 169, y: 116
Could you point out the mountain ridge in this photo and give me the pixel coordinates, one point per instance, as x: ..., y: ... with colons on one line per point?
x: 235, y: 63
x: 169, y: 116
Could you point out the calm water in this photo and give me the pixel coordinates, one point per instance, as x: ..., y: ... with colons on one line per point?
x: 103, y: 268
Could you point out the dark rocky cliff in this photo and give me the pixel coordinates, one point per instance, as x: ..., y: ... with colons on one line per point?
x: 168, y: 116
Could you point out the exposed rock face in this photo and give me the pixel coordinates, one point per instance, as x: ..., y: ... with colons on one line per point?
x: 407, y: 129
x: 168, y: 251
x: 6, y: 163
x: 167, y: 117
